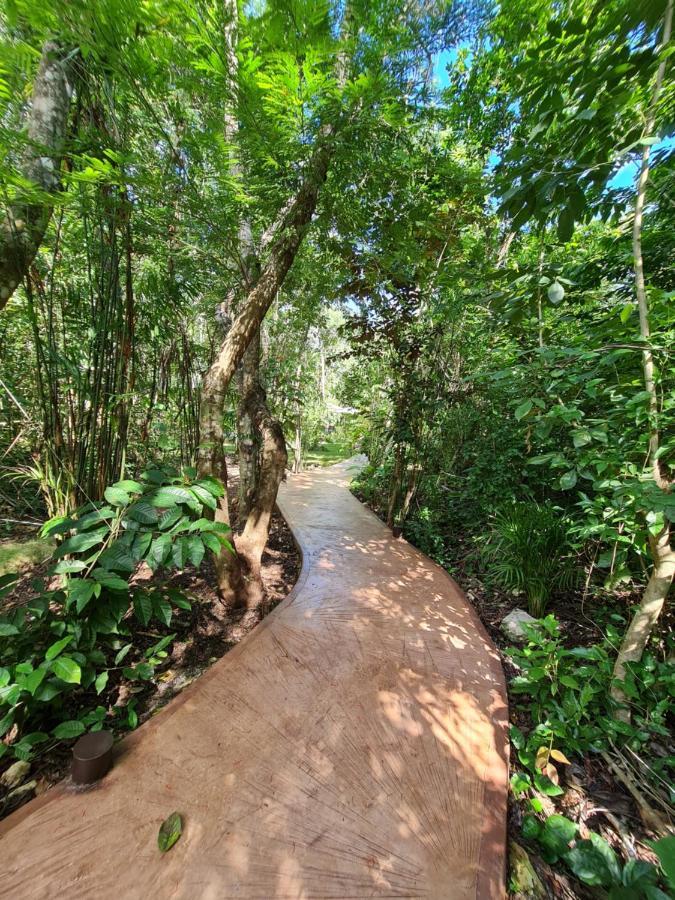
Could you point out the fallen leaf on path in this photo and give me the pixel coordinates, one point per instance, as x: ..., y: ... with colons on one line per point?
x: 169, y: 832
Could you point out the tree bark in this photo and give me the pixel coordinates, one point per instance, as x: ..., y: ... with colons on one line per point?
x: 248, y: 380
x: 25, y: 222
x: 211, y: 460
x: 644, y: 620
x: 273, y: 460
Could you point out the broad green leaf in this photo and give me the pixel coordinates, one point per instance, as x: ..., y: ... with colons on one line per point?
x: 162, y: 609
x: 101, y: 682
x: 523, y: 409
x: 116, y: 496
x: 69, y: 729
x: 568, y: 480
x: 195, y: 550
x: 80, y: 542
x: 67, y: 669
x: 142, y: 607
x: 54, y: 650
x: 33, y: 681
x: 170, y: 495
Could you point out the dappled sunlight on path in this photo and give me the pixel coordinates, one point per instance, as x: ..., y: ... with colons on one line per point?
x: 354, y: 745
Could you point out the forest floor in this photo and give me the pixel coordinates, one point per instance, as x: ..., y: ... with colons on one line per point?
x: 594, y: 798
x: 203, y: 635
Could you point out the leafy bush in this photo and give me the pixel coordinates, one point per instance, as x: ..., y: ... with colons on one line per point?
x: 527, y: 550
x: 68, y: 640
x: 594, y: 863
x: 570, y: 702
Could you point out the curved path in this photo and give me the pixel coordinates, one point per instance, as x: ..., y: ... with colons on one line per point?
x: 353, y: 745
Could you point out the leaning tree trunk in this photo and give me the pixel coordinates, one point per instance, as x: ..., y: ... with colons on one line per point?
x: 663, y: 556
x: 25, y: 222
x: 290, y: 229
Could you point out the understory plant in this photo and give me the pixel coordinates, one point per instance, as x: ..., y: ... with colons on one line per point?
x: 594, y: 863
x: 567, y: 695
x: 63, y: 646
x: 528, y: 550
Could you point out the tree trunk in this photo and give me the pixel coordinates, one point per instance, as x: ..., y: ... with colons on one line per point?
x: 211, y: 460
x: 663, y: 556
x: 396, y: 482
x: 648, y: 612
x: 248, y: 380
x: 273, y: 460
x: 292, y: 226
x: 23, y: 228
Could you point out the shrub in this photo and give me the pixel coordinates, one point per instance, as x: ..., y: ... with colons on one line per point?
x: 569, y: 700
x: 595, y: 864
x: 528, y: 550
x: 65, y: 642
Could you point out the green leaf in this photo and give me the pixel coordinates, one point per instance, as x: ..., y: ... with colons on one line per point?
x: 117, y: 496
x: 67, y: 669
x: 110, y: 581
x: 69, y: 566
x: 212, y: 485
x: 203, y: 496
x: 179, y: 599
x: 143, y: 607
x: 6, y: 630
x: 589, y: 864
x: 131, y: 487
x: 80, y: 542
x: 122, y: 653
x: 33, y: 681
x: 665, y: 850
x: 81, y: 591
x: 162, y: 609
x: 531, y: 828
x: 179, y: 553
x: 195, y: 550
x: 523, y: 409
x: 142, y: 511
x: 169, y: 832
x: 545, y: 786
x: 171, y: 495
x: 101, y: 682
x: 56, y: 648
x: 69, y: 729
x: 557, y: 833
x: 568, y: 480
x: 56, y: 525
x: 159, y: 551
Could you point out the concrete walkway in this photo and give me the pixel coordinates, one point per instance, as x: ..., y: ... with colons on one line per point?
x: 353, y: 745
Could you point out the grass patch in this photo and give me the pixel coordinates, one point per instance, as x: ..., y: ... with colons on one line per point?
x: 327, y: 454
x: 15, y: 556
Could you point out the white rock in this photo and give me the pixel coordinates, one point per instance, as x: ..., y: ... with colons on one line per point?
x: 15, y: 774
x: 512, y: 625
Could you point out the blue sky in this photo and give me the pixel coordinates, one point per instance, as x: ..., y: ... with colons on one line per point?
x: 624, y: 178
